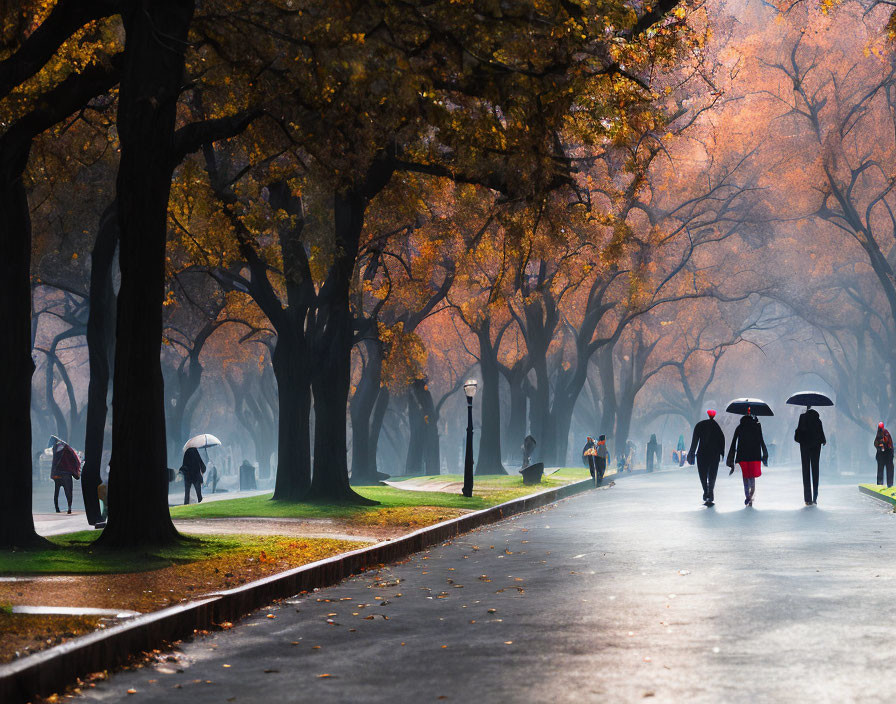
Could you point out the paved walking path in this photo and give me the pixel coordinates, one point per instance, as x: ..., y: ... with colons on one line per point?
x: 47, y: 524
x: 619, y: 594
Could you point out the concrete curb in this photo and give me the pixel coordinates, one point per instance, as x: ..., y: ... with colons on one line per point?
x: 52, y: 670
x: 877, y: 495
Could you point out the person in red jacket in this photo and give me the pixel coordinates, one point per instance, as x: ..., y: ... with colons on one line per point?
x: 66, y: 467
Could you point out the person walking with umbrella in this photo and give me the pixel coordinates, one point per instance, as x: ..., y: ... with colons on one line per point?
x: 708, y: 447
x: 192, y: 468
x: 747, y: 445
x: 883, y: 445
x: 810, y: 436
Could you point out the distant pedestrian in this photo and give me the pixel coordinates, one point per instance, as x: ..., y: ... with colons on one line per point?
x: 66, y: 467
x: 883, y: 445
x: 810, y: 436
x: 653, y: 453
x: 528, y: 448
x: 192, y: 468
x: 589, y: 455
x: 600, y: 460
x: 212, y: 476
x: 630, y: 451
x: 680, y: 449
x: 708, y: 448
x: 749, y: 451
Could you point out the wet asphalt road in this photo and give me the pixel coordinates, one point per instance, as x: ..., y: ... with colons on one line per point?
x: 623, y: 594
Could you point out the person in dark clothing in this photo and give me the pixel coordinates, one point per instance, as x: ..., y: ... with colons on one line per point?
x: 589, y: 455
x: 600, y: 459
x: 528, y: 448
x: 66, y: 468
x: 653, y: 453
x: 883, y: 445
x: 212, y: 477
x: 192, y: 468
x: 748, y: 449
x: 810, y: 436
x: 708, y: 446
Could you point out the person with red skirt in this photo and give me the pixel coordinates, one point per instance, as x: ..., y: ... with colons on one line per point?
x: 749, y: 451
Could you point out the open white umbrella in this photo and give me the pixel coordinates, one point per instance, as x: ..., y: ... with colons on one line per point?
x: 200, y: 442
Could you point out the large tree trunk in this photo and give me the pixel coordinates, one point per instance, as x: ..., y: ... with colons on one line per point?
x: 16, y: 363
x: 376, y: 426
x: 624, y: 420
x: 363, y: 402
x: 413, y: 464
x: 156, y: 38
x: 516, y: 425
x: 429, y: 427
x: 608, y: 388
x: 100, y: 351
x: 332, y: 349
x: 294, y: 425
x: 489, y: 458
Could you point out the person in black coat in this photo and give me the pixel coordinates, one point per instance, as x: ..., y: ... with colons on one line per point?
x: 748, y: 449
x: 883, y: 453
x: 810, y: 436
x: 708, y: 446
x: 192, y: 468
x: 653, y: 453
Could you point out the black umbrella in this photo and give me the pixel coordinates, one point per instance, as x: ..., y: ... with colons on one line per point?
x: 754, y: 406
x: 809, y: 398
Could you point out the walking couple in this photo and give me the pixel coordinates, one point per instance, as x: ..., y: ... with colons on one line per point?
x: 595, y: 455
x: 747, y: 449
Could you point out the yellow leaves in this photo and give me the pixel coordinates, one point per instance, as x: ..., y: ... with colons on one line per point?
x: 404, y: 357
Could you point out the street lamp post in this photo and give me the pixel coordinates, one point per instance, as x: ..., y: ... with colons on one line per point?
x: 470, y: 391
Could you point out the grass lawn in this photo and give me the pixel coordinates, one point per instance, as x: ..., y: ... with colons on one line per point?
x: 397, y: 506
x: 885, y: 493
x: 74, y: 553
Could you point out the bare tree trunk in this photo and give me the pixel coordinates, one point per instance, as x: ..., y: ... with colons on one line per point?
x: 363, y: 402
x: 489, y: 459
x: 156, y: 39
x: 332, y: 349
x: 16, y: 364
x: 294, y: 424
x: 100, y: 352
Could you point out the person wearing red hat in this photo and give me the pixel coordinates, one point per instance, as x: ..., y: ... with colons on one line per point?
x: 883, y: 444
x: 708, y: 447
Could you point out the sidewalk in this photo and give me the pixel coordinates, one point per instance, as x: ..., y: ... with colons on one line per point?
x: 47, y: 524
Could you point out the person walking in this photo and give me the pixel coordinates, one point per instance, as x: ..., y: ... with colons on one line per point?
x: 653, y: 453
x: 212, y: 477
x: 809, y: 434
x: 589, y: 454
x: 708, y: 447
x: 883, y: 445
x: 749, y: 451
x: 600, y: 460
x: 192, y: 468
x: 66, y: 467
x: 680, y: 449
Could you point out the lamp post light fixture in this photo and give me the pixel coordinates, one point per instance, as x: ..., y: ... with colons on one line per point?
x: 470, y: 391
